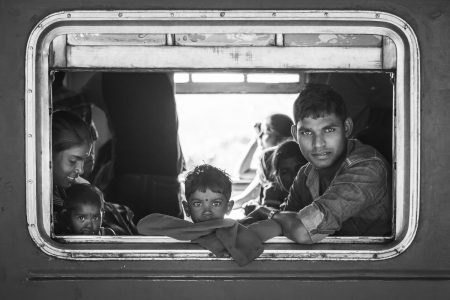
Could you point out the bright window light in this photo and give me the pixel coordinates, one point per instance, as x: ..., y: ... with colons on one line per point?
x: 217, y: 128
x: 273, y: 78
x: 218, y: 77
x: 181, y: 77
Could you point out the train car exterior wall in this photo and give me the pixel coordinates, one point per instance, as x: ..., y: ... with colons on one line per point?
x: 423, y: 270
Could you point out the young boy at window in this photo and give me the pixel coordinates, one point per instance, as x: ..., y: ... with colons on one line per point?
x: 345, y: 188
x: 208, y: 191
x: 82, y: 212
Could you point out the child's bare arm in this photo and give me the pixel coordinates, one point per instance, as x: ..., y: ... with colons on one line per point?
x: 266, y: 229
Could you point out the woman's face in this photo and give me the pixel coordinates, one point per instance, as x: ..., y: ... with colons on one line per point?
x: 267, y: 137
x: 69, y: 164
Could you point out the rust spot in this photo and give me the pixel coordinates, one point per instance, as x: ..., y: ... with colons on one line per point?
x: 249, y: 56
x: 235, y: 55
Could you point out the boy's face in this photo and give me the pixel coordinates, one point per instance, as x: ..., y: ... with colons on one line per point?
x: 322, y: 140
x: 208, y: 205
x: 85, y: 219
x: 68, y: 164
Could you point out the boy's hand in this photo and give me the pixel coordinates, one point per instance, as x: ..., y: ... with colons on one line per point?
x: 260, y: 213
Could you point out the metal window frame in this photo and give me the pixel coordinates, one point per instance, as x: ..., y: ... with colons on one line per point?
x: 37, y: 126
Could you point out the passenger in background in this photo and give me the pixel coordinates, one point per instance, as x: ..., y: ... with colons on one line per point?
x: 345, y: 189
x: 208, y: 191
x: 275, y: 129
x: 71, y: 145
x: 82, y: 212
x: 287, y: 161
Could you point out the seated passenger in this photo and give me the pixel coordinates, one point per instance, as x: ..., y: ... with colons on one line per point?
x: 82, y: 213
x: 345, y: 189
x: 208, y: 191
x: 274, y: 130
x: 71, y: 145
x: 287, y: 160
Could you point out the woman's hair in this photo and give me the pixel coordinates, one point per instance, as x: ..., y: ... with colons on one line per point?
x: 286, y: 150
x: 281, y: 124
x: 69, y: 130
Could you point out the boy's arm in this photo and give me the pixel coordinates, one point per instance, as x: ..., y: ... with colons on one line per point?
x: 293, y: 227
x: 266, y: 229
x: 288, y: 222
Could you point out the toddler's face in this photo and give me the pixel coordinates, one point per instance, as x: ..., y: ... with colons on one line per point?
x: 208, y: 205
x: 86, y: 219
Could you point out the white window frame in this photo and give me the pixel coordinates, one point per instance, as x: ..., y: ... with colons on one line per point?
x: 406, y: 177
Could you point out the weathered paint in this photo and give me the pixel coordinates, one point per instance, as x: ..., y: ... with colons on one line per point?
x: 232, y: 57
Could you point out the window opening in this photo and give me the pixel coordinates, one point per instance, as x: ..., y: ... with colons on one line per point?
x: 357, y: 47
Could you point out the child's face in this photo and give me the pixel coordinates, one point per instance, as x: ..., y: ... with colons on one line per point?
x: 86, y: 219
x: 322, y: 140
x: 208, y: 205
x: 68, y: 164
x: 287, y: 170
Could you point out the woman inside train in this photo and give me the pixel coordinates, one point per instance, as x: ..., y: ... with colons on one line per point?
x: 71, y: 146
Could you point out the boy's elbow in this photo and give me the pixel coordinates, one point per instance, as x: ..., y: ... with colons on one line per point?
x: 300, y: 235
x: 301, y: 238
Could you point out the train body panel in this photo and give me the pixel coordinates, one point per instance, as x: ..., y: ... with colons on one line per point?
x: 421, y: 270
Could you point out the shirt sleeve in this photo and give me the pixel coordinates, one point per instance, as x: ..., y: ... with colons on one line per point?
x: 353, y: 190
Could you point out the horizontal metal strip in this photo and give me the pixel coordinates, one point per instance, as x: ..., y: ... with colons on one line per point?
x: 164, y: 240
x: 237, y: 88
x: 222, y: 57
x: 332, y: 40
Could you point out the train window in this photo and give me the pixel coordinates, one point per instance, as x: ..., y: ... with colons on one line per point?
x: 230, y: 63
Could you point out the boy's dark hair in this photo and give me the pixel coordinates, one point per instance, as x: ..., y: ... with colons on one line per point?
x: 82, y: 193
x: 206, y: 176
x: 318, y: 100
